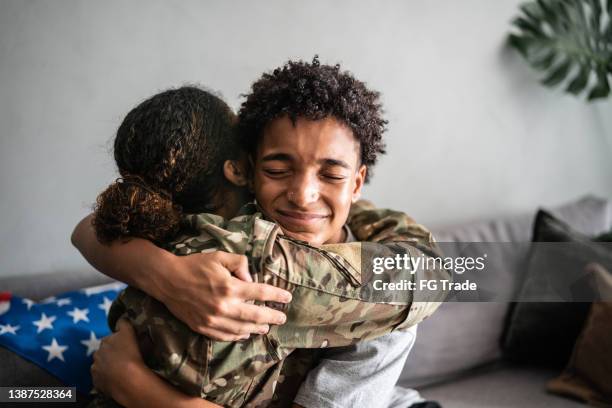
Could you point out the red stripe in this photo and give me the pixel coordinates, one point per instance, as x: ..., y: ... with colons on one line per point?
x: 5, y: 296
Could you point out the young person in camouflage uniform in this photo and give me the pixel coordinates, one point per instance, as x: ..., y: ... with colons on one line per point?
x: 325, y: 280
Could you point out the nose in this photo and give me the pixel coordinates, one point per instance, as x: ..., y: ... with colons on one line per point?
x: 303, y: 190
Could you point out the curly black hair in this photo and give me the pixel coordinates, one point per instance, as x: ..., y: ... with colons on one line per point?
x: 169, y: 151
x: 314, y: 91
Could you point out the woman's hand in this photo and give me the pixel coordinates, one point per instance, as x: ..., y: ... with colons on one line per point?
x: 202, y: 291
x: 117, y: 363
x: 208, y: 292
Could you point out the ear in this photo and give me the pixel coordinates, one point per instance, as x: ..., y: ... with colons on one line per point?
x: 250, y: 184
x: 234, y: 171
x: 359, y: 181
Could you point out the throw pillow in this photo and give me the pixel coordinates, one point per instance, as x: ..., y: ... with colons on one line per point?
x: 545, y: 332
x: 588, y: 375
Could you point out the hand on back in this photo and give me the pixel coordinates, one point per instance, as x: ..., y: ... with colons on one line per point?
x: 210, y: 292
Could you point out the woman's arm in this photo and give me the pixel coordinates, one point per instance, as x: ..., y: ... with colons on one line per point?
x: 137, y: 262
x: 119, y: 372
x: 206, y: 291
x: 152, y: 391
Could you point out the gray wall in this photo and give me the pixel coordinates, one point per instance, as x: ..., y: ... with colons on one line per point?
x: 472, y: 134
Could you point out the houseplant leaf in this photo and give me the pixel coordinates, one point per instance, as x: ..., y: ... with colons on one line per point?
x: 567, y: 40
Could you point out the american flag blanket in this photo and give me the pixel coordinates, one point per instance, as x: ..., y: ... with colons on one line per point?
x: 60, y: 333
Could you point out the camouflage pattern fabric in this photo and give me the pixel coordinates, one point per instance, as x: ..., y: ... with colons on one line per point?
x: 292, y: 372
x: 370, y: 224
x: 367, y: 223
x: 328, y: 309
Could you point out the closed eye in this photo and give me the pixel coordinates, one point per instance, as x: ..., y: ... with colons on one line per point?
x: 334, y: 177
x: 276, y: 172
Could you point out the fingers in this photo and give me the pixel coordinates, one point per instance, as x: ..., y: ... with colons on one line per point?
x: 221, y: 335
x: 237, y: 327
x: 263, y: 292
x: 123, y: 324
x: 235, y: 320
x: 236, y: 264
x: 259, y: 314
x: 242, y: 275
x: 103, y: 345
x: 241, y: 318
x: 213, y: 303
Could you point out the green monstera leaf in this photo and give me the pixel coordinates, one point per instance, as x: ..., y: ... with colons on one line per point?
x: 568, y: 39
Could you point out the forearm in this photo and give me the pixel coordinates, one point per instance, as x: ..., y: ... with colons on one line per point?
x: 135, y: 262
x: 145, y: 389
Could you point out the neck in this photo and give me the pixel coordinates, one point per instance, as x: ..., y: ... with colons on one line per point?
x: 338, y: 238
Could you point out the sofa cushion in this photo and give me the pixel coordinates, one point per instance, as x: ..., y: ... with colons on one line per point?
x: 503, y: 386
x: 587, y: 375
x: 589, y: 215
x: 545, y: 331
x: 18, y: 372
x: 464, y: 335
x: 40, y: 286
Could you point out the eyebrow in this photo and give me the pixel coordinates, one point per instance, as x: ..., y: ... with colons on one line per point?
x: 335, y: 162
x: 276, y: 156
x: 287, y: 158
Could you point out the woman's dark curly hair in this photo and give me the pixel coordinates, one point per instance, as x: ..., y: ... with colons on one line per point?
x: 313, y: 91
x: 169, y: 151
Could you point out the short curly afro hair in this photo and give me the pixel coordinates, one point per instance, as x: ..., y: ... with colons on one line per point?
x: 314, y: 91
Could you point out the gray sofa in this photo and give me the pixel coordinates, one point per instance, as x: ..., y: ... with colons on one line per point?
x: 456, y: 360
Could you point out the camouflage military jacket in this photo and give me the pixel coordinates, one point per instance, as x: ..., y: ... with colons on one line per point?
x: 329, y: 307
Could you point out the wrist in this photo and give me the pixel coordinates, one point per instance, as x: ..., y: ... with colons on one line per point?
x: 155, y: 281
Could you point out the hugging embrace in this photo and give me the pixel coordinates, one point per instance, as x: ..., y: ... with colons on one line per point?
x: 242, y: 240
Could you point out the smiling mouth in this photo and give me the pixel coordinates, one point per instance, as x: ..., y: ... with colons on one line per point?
x: 300, y: 218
